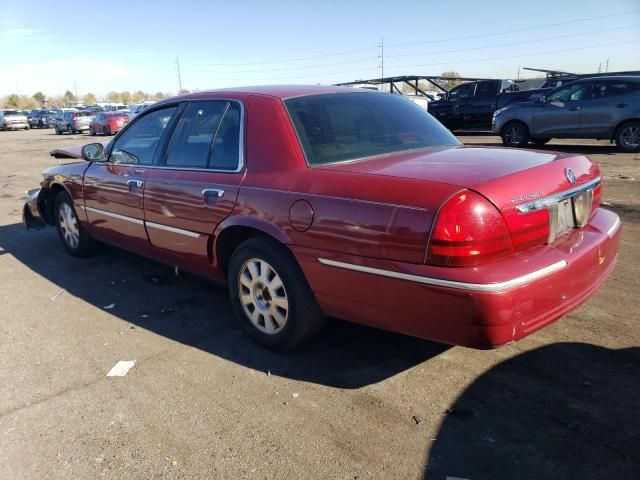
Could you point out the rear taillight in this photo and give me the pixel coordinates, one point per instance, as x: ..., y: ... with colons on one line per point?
x: 469, y: 230
x: 529, y: 229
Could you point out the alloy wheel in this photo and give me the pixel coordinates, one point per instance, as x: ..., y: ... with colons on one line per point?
x: 514, y: 135
x: 69, y: 225
x: 263, y: 296
x: 630, y: 137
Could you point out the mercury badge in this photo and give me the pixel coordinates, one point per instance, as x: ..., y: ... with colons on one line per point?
x: 570, y: 176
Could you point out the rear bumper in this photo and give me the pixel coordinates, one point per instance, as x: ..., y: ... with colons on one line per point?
x: 480, y: 307
x: 16, y: 126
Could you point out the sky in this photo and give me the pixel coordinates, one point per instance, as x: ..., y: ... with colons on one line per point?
x: 133, y: 45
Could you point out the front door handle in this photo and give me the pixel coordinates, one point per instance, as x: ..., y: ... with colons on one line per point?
x: 212, y: 192
x: 621, y: 105
x: 134, y: 184
x: 573, y: 109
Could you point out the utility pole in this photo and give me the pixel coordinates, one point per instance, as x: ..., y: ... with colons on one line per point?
x: 75, y: 88
x: 179, y: 76
x: 381, y: 57
x: 518, y: 73
x: 600, y: 68
x: 606, y: 69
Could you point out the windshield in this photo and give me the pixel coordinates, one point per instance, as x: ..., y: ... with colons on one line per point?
x: 347, y: 126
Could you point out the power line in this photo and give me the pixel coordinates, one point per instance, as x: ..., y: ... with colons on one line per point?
x: 451, y: 62
x: 505, y: 32
x: 300, y: 59
x: 291, y: 68
x: 512, y: 43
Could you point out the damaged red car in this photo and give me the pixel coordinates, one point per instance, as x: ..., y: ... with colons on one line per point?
x: 312, y: 201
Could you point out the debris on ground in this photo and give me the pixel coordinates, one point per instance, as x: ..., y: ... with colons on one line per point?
x: 109, y: 307
x: 53, y: 299
x: 295, y: 395
x: 121, y: 368
x: 417, y: 419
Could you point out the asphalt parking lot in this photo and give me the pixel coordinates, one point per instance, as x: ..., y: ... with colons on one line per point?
x: 203, y: 401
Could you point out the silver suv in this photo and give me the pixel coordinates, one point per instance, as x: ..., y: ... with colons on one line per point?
x: 601, y: 108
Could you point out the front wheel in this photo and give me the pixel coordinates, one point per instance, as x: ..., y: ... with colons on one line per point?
x: 515, y: 134
x: 628, y: 137
x: 74, y: 237
x: 270, y: 295
x: 106, y: 131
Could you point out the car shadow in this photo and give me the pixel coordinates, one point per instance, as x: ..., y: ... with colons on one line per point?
x: 566, y: 410
x: 197, y: 312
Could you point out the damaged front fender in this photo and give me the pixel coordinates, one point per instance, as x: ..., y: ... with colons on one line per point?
x: 35, y: 213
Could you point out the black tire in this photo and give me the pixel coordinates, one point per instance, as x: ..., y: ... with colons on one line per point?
x: 303, y: 319
x: 539, y: 142
x: 58, y: 132
x: 106, y: 130
x: 84, y: 245
x: 628, y: 137
x: 515, y: 134
x: 91, y: 132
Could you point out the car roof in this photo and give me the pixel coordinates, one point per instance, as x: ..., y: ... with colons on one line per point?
x: 278, y: 91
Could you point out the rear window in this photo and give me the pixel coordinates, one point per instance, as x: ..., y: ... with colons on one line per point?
x: 84, y: 114
x: 119, y: 114
x: 348, y: 126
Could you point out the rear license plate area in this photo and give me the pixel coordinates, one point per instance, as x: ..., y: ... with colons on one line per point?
x: 569, y: 213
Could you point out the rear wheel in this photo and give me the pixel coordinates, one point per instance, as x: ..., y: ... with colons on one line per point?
x: 106, y: 130
x: 58, y: 132
x: 91, y: 132
x: 538, y: 142
x: 271, y: 296
x: 628, y: 137
x: 515, y: 134
x: 74, y: 237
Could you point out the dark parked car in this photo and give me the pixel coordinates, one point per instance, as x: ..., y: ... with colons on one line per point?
x: 601, y: 108
x: 470, y: 106
x: 73, y: 122
x: 108, y: 123
x: 41, y: 118
x: 346, y: 202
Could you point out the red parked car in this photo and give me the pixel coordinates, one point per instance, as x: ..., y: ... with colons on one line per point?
x: 108, y: 123
x: 313, y: 201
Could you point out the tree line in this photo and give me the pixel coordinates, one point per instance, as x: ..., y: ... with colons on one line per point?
x: 40, y: 100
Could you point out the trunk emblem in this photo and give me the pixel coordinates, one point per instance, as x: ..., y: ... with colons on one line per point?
x: 570, y: 176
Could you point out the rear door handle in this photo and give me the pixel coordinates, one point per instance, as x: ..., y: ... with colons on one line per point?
x: 134, y: 184
x: 621, y: 105
x: 573, y: 109
x: 212, y: 192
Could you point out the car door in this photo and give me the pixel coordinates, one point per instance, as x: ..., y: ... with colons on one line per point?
x: 113, y: 190
x: 560, y: 114
x: 196, y: 184
x: 478, y: 109
x: 609, y: 101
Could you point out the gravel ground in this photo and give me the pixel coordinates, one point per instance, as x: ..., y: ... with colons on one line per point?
x: 203, y: 401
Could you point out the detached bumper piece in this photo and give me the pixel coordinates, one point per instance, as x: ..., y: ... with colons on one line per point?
x: 32, y: 216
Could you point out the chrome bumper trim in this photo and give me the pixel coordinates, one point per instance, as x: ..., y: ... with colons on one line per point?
x: 438, y: 282
x: 557, y: 197
x: 614, y: 228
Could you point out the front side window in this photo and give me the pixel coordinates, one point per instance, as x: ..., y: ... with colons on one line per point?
x: 571, y: 93
x: 613, y: 88
x: 348, y: 126
x: 206, y: 136
x: 137, y: 144
x: 461, y: 92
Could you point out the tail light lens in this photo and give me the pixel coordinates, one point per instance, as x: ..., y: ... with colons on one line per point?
x: 529, y: 229
x: 468, y: 231
x: 597, y: 197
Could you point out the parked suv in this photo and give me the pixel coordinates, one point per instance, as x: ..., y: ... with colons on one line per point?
x: 13, y: 120
x: 41, y: 118
x: 600, y: 108
x: 74, y: 122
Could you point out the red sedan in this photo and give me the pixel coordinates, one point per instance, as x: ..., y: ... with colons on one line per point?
x: 314, y: 201
x: 108, y: 123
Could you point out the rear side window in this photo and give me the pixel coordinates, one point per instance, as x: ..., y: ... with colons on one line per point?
x: 137, y: 144
x: 207, y: 136
x: 348, y: 126
x: 613, y: 88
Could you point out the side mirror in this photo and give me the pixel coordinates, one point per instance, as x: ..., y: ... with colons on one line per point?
x: 541, y: 99
x: 93, y: 152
